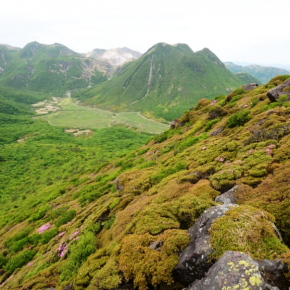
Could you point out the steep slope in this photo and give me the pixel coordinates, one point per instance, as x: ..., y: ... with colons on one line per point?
x: 115, y: 56
x: 124, y: 225
x: 50, y: 68
x: 247, y: 79
x: 262, y: 73
x: 164, y: 82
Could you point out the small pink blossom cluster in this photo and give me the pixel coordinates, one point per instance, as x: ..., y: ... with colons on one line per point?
x: 213, y: 102
x: 221, y: 159
x: 44, y: 228
x: 74, y: 234
x: 61, y: 234
x: 268, y: 150
x: 246, y: 106
x: 251, y: 151
x: 29, y: 264
x: 62, y: 249
x: 204, y: 148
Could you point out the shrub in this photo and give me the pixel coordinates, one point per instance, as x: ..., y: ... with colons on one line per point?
x: 211, y: 123
x: 79, y: 253
x: 3, y: 261
x: 65, y: 218
x: 19, y: 260
x: 238, y: 119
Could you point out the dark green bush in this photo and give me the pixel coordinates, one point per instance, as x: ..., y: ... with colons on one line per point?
x: 238, y: 119
x: 19, y: 260
x: 211, y: 123
x: 3, y: 261
x: 65, y: 218
x: 46, y: 236
x: 78, y: 254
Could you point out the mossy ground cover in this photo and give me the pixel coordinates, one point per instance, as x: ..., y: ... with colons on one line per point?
x: 154, y: 194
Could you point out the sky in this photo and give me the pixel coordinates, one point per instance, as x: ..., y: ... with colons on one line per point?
x: 251, y: 31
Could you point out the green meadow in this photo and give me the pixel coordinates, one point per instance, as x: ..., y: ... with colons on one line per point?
x: 74, y: 115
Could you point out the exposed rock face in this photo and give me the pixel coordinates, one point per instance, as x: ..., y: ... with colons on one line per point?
x: 250, y: 87
x: 115, y: 56
x: 234, y: 270
x: 227, y: 197
x: 194, y: 260
x: 283, y: 89
x: 273, y: 273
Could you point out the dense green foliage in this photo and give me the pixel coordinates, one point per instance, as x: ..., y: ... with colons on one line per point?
x: 178, y: 79
x: 84, y: 210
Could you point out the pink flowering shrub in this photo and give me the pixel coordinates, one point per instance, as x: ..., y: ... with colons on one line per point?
x: 61, y: 234
x: 213, y: 102
x: 62, y: 249
x: 44, y: 228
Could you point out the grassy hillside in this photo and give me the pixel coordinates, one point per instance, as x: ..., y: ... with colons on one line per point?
x: 51, y: 69
x: 262, y: 73
x: 163, y: 83
x: 93, y: 227
x: 247, y: 79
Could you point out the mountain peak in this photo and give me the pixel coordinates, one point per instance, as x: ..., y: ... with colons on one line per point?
x: 115, y: 56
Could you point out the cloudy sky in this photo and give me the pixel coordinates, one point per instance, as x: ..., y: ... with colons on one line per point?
x: 252, y: 31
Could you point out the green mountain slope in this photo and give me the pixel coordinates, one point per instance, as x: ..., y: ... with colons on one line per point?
x: 262, y: 73
x: 51, y: 69
x: 247, y: 79
x: 99, y: 229
x: 164, y: 82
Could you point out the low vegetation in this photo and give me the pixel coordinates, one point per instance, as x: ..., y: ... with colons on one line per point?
x: 110, y: 217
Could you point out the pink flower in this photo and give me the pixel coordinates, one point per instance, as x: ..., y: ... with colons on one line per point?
x: 271, y: 146
x: 251, y: 151
x: 268, y: 151
x: 61, y: 234
x: 245, y: 106
x: 29, y: 264
x: 203, y: 148
x: 74, y: 234
x: 75, y: 239
x: 44, y: 228
x: 62, y: 249
x: 213, y: 102
x: 222, y: 159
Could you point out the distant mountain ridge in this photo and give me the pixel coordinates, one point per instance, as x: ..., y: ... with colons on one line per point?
x: 115, y: 56
x: 164, y: 82
x: 50, y: 68
x: 262, y: 73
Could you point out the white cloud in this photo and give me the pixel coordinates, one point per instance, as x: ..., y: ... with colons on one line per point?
x: 253, y: 31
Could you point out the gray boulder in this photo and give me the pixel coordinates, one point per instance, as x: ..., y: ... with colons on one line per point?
x: 195, y: 260
x: 250, y: 87
x: 273, y: 273
x: 234, y: 270
x: 283, y: 89
x: 228, y: 197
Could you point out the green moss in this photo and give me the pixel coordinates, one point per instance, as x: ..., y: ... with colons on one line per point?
x: 147, y: 266
x: 246, y: 229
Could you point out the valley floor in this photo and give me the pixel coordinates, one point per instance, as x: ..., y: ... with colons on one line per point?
x: 73, y: 115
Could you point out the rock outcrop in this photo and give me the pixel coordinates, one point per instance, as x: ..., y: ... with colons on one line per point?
x: 273, y: 273
x: 283, y: 89
x: 234, y: 270
x: 195, y: 261
x: 227, y: 197
x: 250, y: 87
